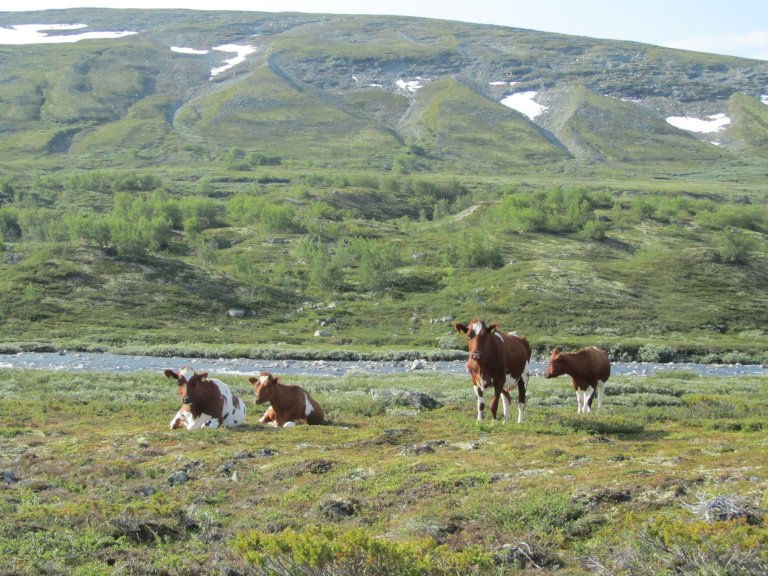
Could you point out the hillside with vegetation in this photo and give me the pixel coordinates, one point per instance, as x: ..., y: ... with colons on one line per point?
x: 357, y: 183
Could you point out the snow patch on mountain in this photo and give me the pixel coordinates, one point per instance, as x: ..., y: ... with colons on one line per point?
x: 38, y: 34
x: 713, y: 123
x: 524, y: 103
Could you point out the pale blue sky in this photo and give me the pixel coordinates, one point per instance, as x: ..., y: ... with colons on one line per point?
x: 735, y: 27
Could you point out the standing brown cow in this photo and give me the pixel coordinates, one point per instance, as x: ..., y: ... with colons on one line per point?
x: 492, y: 356
x: 589, y: 368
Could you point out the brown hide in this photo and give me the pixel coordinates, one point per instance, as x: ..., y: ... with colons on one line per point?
x: 287, y: 401
x: 585, y: 367
x: 494, y: 355
x: 202, y: 395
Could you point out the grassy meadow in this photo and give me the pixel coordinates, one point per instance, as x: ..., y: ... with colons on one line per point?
x: 670, y: 478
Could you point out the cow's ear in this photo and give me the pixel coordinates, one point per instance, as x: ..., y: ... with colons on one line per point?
x: 556, y: 350
x: 171, y: 374
x: 492, y: 328
x: 253, y: 380
x: 276, y: 380
x: 460, y: 328
x: 203, y: 375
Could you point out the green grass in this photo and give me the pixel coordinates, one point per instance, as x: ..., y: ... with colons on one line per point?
x: 91, y: 458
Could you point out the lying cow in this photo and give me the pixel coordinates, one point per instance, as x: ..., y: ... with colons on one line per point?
x: 589, y: 368
x: 289, y: 405
x: 205, y: 403
x: 494, y: 355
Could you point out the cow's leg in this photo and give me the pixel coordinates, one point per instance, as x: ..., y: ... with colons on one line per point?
x: 480, y: 402
x: 588, y: 394
x: 600, y: 395
x: 579, y: 401
x: 522, y: 385
x: 495, y: 404
x: 505, y: 400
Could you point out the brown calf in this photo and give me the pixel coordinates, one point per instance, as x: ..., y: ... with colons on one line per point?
x: 589, y: 369
x: 205, y: 403
x: 289, y: 404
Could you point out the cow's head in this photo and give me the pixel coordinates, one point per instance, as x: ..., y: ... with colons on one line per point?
x: 188, y: 380
x: 477, y: 332
x: 478, y: 363
x: 264, y: 385
x: 556, y: 365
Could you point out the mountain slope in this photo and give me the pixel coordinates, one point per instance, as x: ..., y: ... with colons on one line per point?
x: 599, y: 128
x: 359, y: 90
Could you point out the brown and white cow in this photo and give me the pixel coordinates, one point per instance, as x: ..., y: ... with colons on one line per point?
x: 589, y: 368
x: 289, y: 404
x: 205, y: 403
x: 494, y: 355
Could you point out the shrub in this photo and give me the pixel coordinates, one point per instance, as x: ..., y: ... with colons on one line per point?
x: 656, y: 353
x: 480, y: 253
x: 375, y: 262
x: 722, y: 548
x: 357, y: 551
x: 735, y: 246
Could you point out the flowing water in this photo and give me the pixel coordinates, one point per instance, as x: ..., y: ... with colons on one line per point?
x: 97, y: 361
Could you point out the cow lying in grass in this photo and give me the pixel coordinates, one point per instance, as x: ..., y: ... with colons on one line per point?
x: 205, y: 403
x: 589, y: 369
x: 289, y: 405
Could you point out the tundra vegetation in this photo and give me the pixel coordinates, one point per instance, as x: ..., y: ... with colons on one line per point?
x: 671, y: 478
x: 306, y: 188
x: 112, y: 260
x: 148, y: 208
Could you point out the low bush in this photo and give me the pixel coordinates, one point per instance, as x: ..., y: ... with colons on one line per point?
x: 318, y: 551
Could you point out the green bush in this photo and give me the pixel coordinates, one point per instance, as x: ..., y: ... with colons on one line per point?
x: 736, y: 246
x: 656, y: 353
x: 357, y: 551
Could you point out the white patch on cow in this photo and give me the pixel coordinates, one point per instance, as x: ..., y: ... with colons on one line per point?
x: 477, y: 327
x: 499, y: 335
x: 192, y: 423
x: 183, y: 417
x: 307, y: 405
x: 520, y: 412
x: 186, y: 372
x: 263, y: 379
x: 234, y: 416
x: 289, y: 424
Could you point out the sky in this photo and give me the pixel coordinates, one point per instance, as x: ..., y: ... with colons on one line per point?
x: 735, y: 27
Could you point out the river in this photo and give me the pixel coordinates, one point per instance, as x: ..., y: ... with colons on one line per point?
x: 103, y: 362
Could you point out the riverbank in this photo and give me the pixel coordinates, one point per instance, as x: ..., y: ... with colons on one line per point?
x: 647, y: 353
x: 107, y: 362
